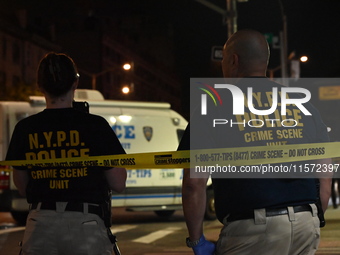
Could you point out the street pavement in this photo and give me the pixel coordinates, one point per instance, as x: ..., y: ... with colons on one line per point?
x: 330, y: 234
x: 329, y: 244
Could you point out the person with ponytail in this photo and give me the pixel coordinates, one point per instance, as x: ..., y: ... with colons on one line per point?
x: 68, y: 203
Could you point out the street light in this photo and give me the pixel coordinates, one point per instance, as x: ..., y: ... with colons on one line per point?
x: 95, y: 75
x: 127, y: 66
x: 294, y: 66
x: 304, y: 59
x: 126, y: 89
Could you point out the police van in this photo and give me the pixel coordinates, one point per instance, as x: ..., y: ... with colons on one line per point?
x: 140, y: 127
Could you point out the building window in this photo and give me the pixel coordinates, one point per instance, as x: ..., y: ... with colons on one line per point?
x: 28, y: 57
x: 2, y: 78
x: 15, y: 80
x: 4, y: 48
x: 16, y: 53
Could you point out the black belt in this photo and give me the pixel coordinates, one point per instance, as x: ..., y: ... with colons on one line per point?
x: 71, y: 206
x: 269, y: 213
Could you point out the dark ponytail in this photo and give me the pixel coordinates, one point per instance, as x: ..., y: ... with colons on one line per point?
x: 56, y: 74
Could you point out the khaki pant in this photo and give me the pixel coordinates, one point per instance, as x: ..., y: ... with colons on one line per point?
x: 65, y: 233
x: 292, y: 234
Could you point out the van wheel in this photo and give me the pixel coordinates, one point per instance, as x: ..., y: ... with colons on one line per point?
x: 165, y: 213
x: 19, y: 217
x: 210, y: 213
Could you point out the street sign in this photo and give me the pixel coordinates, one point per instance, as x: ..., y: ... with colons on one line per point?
x: 217, y: 53
x: 269, y: 37
x: 272, y: 40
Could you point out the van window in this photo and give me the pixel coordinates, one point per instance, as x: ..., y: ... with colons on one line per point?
x: 180, y: 133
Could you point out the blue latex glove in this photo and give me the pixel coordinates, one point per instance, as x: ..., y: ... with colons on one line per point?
x: 204, y: 247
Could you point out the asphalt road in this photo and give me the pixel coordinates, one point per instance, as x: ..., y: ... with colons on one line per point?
x: 144, y: 233
x: 330, y: 234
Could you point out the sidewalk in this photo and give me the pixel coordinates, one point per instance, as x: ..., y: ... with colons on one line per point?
x: 330, y: 234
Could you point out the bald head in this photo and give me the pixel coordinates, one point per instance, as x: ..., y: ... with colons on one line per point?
x: 246, y: 53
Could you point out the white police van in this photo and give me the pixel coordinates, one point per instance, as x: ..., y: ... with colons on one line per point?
x: 140, y: 127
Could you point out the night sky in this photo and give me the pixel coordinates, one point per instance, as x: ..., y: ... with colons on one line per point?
x: 313, y: 29
x: 193, y: 29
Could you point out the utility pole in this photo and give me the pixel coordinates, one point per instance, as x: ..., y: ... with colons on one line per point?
x: 283, y: 44
x: 231, y: 17
x: 95, y: 75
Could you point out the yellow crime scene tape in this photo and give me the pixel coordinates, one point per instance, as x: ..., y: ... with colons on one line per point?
x: 184, y: 159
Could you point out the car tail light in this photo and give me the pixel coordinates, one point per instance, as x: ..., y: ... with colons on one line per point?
x: 4, y: 178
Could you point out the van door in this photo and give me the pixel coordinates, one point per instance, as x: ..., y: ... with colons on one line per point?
x: 149, y: 130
